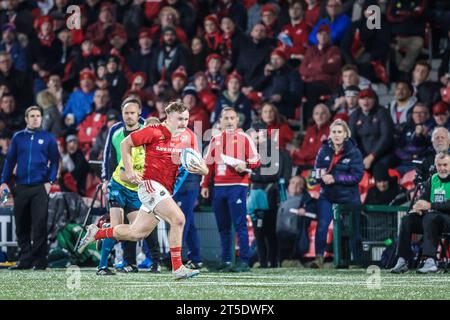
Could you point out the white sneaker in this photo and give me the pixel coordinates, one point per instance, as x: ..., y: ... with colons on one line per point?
x: 429, y: 266
x: 184, y: 273
x: 88, y: 238
x: 400, y: 267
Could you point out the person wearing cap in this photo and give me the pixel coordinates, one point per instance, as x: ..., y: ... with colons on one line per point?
x: 198, y: 116
x: 441, y: 114
x: 213, y: 36
x: 401, y: 107
x: 283, y: 86
x: 10, y: 44
x: 204, y: 93
x: 320, y: 70
x: 79, y: 104
x: 35, y: 153
x: 233, y: 97
x: 179, y: 81
x: 349, y: 103
x: 214, y: 72
x: 117, y: 83
x: 45, y: 52
x: 169, y: 55
x: 140, y: 59
x: 232, y: 38
x: 412, y: 141
x: 373, y: 130
x: 74, y: 167
x: 269, y: 18
x: 305, y: 156
x: 95, y: 120
x: 253, y: 56
x: 364, y: 47
x: 100, y: 31
x: 338, y: 22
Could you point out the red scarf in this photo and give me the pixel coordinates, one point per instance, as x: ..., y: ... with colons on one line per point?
x: 46, y: 40
x: 213, y: 40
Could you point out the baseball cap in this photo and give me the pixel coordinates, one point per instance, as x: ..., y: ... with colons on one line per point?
x: 352, y: 91
x: 71, y: 137
x: 366, y: 93
x: 439, y: 107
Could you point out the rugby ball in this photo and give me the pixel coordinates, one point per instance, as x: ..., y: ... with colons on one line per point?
x: 190, y: 156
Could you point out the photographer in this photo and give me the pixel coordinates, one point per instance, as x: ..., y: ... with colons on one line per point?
x: 429, y: 216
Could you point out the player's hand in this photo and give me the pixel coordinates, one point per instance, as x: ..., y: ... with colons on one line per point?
x: 301, y: 212
x: 201, y: 169
x: 205, y: 193
x: 4, y: 187
x: 368, y: 161
x: 240, y: 167
x: 105, y: 186
x: 422, y: 205
x: 133, y: 177
x: 47, y: 187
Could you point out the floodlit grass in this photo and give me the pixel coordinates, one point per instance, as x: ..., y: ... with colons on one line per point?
x: 261, y: 284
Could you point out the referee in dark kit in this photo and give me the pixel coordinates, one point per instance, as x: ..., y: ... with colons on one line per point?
x: 36, y: 155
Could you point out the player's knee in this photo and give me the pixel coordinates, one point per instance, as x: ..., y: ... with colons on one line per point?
x: 178, y: 221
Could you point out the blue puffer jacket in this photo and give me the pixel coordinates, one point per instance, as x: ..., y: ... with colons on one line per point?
x: 347, y: 172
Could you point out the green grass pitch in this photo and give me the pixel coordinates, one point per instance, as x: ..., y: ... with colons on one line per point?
x: 261, y: 284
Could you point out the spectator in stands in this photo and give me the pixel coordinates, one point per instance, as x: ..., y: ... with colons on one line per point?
x: 278, y: 131
x: 170, y: 54
x: 312, y: 12
x: 66, y: 38
x: 340, y: 167
x: 305, y: 156
x: 198, y: 116
x: 213, y: 36
x: 440, y: 138
x: 351, y: 77
x: 349, y: 104
x: 79, y: 104
x: 169, y: 17
x: 141, y: 58
x: 11, y: 45
x: 412, y: 141
x: 233, y: 97
x: 230, y: 186
x: 265, y: 183
x: 160, y: 105
x: 204, y: 93
x: 198, y: 55
x: 408, y: 21
x: 373, y: 137
x: 283, y: 86
x: 101, y: 31
x: 94, y: 121
x: 425, y: 90
x: 338, y: 22
x: 35, y: 153
x: 18, y: 15
x: 187, y: 14
x: 429, y: 216
x: 45, y: 52
x: 74, y: 167
x: 320, y: 70
x: 18, y: 82
x: 297, y: 31
x: 138, y: 84
x: 117, y: 84
x: 9, y: 115
x: 366, y: 48
x: 269, y: 18
x: 179, y: 81
x: 402, y: 105
x: 232, y: 39
x: 5, y: 142
x: 112, y: 117
x: 214, y: 72
x: 441, y: 114
x: 51, y: 119
x: 253, y: 56
x: 444, y: 68
x: 233, y: 9
x: 54, y: 87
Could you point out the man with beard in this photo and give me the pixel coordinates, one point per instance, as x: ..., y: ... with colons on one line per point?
x: 429, y: 216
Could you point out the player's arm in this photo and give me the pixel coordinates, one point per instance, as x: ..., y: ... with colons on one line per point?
x: 125, y: 149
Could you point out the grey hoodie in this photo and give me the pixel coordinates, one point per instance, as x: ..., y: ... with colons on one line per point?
x: 404, y: 115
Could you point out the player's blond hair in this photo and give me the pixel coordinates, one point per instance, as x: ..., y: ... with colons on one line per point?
x: 152, y: 121
x: 175, y: 106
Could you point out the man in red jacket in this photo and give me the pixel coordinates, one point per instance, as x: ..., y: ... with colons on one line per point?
x: 231, y: 156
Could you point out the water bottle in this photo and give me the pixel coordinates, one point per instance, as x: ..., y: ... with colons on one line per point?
x: 282, y: 186
x: 4, y: 196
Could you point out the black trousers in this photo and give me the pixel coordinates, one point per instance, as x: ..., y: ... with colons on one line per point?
x: 266, y: 238
x: 30, y: 212
x: 431, y: 225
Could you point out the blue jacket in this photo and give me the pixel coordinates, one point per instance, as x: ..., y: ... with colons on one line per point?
x: 338, y: 28
x: 80, y: 105
x: 18, y: 54
x: 347, y: 172
x: 32, y: 151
